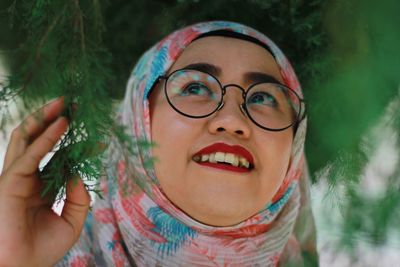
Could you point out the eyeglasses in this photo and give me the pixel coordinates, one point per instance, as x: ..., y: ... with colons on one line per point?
x: 197, y: 94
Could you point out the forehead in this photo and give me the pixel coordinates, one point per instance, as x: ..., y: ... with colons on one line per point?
x: 232, y: 55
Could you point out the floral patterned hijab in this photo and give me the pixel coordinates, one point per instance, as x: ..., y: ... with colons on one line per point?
x: 136, y: 225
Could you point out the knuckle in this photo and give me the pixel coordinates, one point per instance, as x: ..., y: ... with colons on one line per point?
x: 35, y: 158
x: 19, y: 133
x: 49, y: 140
x: 77, y: 207
x: 16, y: 133
x: 74, y: 215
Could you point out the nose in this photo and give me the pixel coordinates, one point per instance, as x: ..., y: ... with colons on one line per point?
x: 230, y: 118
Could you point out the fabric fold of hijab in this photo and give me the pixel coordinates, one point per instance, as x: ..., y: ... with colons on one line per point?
x: 136, y: 225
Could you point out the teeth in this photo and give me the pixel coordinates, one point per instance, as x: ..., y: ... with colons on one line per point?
x: 230, y: 158
x: 212, y: 158
x: 235, y: 162
x: 244, y: 163
x: 196, y: 158
x: 220, y: 157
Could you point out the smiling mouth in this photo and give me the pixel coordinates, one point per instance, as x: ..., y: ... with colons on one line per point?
x: 225, y: 161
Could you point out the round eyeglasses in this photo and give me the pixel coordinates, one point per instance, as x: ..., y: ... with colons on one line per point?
x: 197, y: 94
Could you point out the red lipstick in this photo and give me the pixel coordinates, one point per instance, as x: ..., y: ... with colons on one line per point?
x: 222, y: 147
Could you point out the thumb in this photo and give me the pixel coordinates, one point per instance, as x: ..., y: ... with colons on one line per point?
x: 76, y: 206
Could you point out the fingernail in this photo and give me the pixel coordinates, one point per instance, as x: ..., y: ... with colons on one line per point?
x: 55, y: 99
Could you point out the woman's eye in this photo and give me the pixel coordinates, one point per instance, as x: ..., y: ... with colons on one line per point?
x: 263, y: 98
x: 196, y: 89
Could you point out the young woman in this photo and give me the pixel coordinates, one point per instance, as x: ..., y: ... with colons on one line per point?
x: 229, y: 186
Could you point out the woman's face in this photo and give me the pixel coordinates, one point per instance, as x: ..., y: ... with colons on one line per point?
x: 212, y: 193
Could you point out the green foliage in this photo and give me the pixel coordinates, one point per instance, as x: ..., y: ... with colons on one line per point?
x: 361, y: 76
x: 363, y: 64
x: 63, y: 54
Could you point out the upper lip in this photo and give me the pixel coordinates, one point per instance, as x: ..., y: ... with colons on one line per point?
x: 222, y: 147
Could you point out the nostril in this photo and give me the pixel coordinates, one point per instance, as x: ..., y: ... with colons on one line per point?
x: 222, y: 129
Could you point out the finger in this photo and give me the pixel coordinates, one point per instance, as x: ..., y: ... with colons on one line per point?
x: 30, y: 128
x: 38, y: 121
x: 76, y: 205
x: 41, y: 146
x: 22, y: 176
x: 14, y: 150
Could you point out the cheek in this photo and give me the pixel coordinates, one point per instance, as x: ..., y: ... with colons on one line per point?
x: 169, y: 129
x: 174, y: 136
x: 170, y: 138
x: 275, y: 160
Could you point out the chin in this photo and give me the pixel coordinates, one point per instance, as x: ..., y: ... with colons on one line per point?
x: 220, y: 212
x: 220, y: 219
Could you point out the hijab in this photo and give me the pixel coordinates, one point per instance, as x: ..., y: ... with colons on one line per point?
x: 135, y: 224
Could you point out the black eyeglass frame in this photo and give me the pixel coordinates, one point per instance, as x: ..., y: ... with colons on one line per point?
x: 300, y: 116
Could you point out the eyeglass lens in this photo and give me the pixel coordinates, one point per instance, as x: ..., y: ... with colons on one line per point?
x: 198, y: 94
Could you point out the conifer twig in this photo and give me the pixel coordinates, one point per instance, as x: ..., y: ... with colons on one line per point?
x: 39, y: 47
x: 79, y: 23
x: 46, y: 34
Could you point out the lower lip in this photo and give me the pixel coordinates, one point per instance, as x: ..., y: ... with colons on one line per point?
x: 224, y: 167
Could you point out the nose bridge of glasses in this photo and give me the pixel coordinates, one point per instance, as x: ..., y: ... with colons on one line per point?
x: 232, y: 85
x: 224, y: 92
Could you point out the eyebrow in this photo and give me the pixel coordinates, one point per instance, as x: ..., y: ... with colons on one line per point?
x: 260, y: 77
x: 249, y: 77
x: 205, y: 67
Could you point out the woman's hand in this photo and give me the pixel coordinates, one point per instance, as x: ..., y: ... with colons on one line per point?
x: 31, y: 234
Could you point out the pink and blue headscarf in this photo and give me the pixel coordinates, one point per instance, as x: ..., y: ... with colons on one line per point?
x: 136, y: 225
